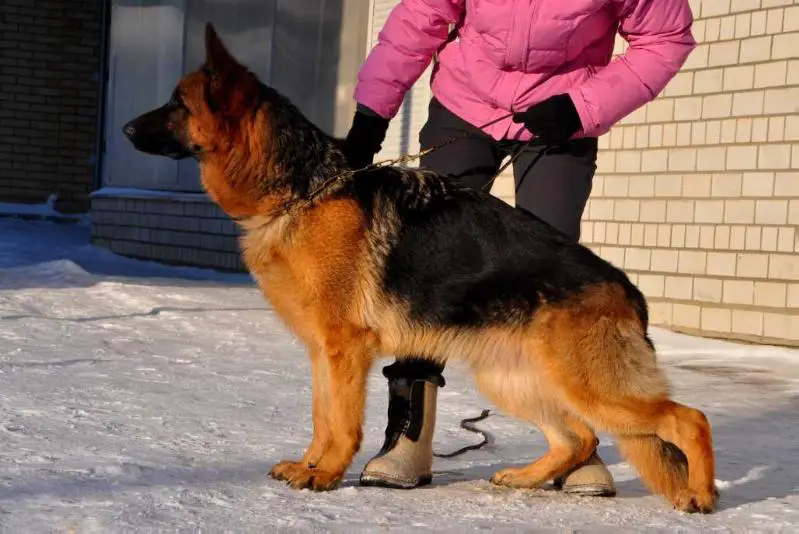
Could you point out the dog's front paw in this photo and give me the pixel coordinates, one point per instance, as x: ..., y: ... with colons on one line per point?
x: 286, y: 469
x: 697, y: 501
x: 300, y: 476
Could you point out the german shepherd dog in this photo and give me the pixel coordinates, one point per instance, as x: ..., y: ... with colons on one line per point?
x: 367, y: 263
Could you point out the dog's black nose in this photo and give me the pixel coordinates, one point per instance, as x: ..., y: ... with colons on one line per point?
x: 129, y: 130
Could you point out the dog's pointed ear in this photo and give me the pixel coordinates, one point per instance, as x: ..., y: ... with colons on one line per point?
x: 217, y: 57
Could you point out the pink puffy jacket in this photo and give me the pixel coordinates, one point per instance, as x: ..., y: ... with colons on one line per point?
x: 511, y: 54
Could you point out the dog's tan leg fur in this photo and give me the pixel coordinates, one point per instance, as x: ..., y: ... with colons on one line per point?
x: 570, y: 443
x: 347, y: 356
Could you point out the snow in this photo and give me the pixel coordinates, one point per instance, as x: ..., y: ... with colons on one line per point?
x: 44, y: 210
x: 139, y: 396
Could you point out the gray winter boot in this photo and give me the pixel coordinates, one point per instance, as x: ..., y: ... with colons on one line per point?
x: 406, y: 459
x: 591, y: 478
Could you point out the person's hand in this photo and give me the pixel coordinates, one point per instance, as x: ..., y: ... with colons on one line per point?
x: 553, y: 121
x: 364, y: 138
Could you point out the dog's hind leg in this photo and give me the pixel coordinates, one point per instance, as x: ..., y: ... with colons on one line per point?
x: 570, y: 442
x: 620, y: 390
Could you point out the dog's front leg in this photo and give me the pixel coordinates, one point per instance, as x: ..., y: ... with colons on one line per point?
x: 287, y: 469
x: 345, y: 358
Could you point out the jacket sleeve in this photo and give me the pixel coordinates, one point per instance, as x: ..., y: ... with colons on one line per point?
x: 413, y: 32
x: 660, y: 40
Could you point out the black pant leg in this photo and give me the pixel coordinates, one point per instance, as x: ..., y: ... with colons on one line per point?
x: 554, y: 183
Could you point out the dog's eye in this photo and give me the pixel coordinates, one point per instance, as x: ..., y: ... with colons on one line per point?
x: 177, y: 102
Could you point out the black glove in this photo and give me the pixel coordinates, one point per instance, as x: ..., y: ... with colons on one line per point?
x: 364, y: 138
x: 553, y: 121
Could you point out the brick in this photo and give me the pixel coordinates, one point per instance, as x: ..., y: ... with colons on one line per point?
x: 686, y: 315
x: 641, y: 136
x: 684, y: 133
x: 637, y: 259
x: 644, y: 185
x: 708, y: 81
x: 771, y: 211
x: 756, y: 49
x: 669, y: 134
x: 783, y: 267
x: 664, y: 260
x: 742, y: 158
x: 698, y: 130
x: 793, y: 296
x: 792, y: 128
x: 739, y: 211
x: 692, y: 236
x: 660, y: 313
x: 729, y: 129
x: 776, y: 129
x: 747, y: 322
x: 783, y: 100
x: 716, y: 106
x: 768, y: 241
x: 663, y: 235
x: 773, y: 74
x: 709, y: 211
x: 743, y: 130
x: 723, y: 53
x: 785, y: 45
x: 711, y: 158
x: 653, y: 211
x: 743, y: 25
x: 688, y: 108
x: 774, y: 21
x: 680, y: 211
x: 707, y: 289
x: 786, y: 239
x: 656, y: 135
x: 650, y: 235
x: 681, y: 84
x: 781, y: 326
x: 660, y: 110
x: 713, y: 132
x: 748, y: 103
x: 678, y: 287
x: 692, y: 262
x: 727, y: 30
x: 626, y: 210
x: 637, y: 235
x: 629, y: 137
x: 698, y: 59
x: 738, y: 292
x: 752, y: 266
x: 696, y: 185
x: 774, y: 157
x: 722, y: 237
x: 682, y: 159
x: 759, y: 130
x: 652, y: 285
x: 744, y: 5
x: 752, y: 241
x: 716, y: 319
x: 628, y: 161
x: 713, y: 8
x: 786, y: 184
x: 758, y: 184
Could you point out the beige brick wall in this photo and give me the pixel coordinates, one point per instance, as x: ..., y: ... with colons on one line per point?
x: 697, y: 194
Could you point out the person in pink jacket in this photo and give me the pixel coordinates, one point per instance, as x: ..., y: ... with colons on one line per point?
x: 548, y: 65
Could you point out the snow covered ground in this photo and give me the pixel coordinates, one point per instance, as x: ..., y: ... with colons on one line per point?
x: 139, y: 396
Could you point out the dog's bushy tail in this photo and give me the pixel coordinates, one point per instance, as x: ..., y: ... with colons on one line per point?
x: 662, y: 466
